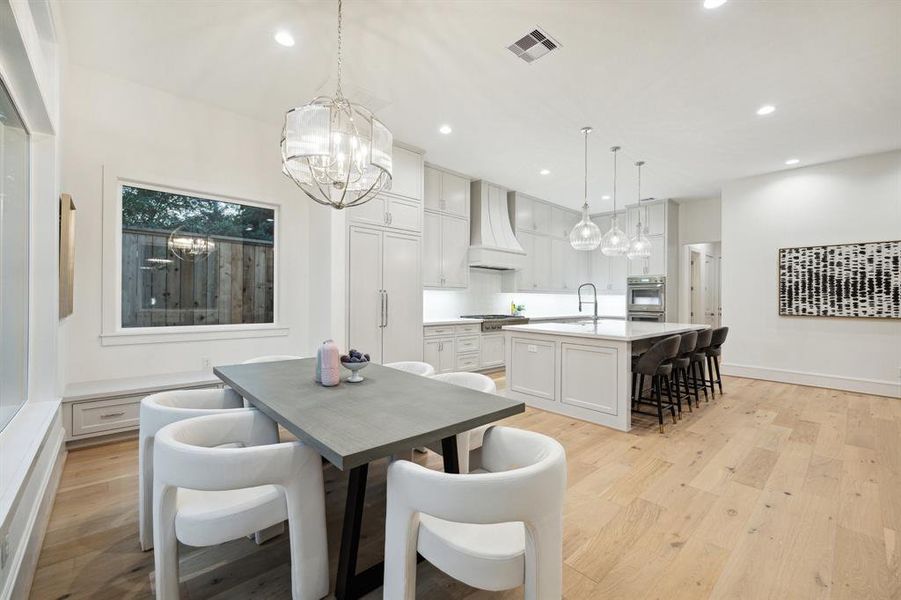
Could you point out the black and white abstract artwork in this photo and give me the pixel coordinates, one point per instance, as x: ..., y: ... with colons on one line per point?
x: 847, y: 280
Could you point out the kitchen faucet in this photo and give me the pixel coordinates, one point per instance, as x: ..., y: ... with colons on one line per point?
x: 595, y: 299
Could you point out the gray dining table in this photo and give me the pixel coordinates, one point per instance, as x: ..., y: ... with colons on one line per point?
x: 353, y: 424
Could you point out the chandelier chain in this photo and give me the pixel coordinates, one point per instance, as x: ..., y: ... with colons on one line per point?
x: 340, y: 19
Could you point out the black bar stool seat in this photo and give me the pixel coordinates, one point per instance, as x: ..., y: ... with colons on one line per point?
x: 657, y: 364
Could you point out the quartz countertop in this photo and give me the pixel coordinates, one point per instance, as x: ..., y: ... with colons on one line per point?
x: 450, y: 321
x: 464, y: 321
x: 608, y: 329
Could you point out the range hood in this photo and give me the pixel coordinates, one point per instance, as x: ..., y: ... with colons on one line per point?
x: 492, y: 242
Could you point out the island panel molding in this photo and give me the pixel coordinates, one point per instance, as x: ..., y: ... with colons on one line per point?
x: 861, y: 280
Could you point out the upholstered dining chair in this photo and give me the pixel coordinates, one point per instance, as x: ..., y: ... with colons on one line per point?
x: 468, y: 442
x: 413, y: 366
x: 157, y: 411
x: 222, y: 477
x: 495, y: 530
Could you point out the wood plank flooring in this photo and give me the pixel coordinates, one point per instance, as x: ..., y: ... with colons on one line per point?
x: 770, y: 491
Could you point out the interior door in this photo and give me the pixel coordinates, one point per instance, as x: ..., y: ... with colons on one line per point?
x: 711, y: 289
x: 455, y: 251
x: 402, y: 334
x: 697, y: 304
x: 431, y: 252
x: 364, y: 256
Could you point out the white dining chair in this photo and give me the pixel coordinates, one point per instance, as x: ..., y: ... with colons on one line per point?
x: 221, y: 477
x: 271, y: 358
x: 413, y: 366
x: 468, y: 442
x: 157, y: 411
x: 495, y: 530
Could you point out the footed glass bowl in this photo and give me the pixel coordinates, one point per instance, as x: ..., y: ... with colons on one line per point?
x: 354, y: 368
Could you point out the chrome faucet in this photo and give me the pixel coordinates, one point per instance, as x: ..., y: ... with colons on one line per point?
x: 595, y: 299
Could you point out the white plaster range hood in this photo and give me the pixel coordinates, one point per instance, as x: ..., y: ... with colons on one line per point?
x: 492, y: 242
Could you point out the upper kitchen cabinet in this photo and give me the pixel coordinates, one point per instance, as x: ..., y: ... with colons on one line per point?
x: 531, y: 213
x: 654, y: 218
x: 407, y: 173
x: 562, y: 222
x: 446, y: 192
x: 446, y: 251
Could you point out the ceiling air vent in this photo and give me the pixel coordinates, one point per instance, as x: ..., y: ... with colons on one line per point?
x: 533, y: 45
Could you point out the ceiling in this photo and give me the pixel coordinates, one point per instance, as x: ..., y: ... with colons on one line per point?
x: 674, y: 84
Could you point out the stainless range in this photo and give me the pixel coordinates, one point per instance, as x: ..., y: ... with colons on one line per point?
x: 495, y: 322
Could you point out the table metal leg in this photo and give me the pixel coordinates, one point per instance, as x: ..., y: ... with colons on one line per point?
x: 348, y: 584
x: 449, y: 452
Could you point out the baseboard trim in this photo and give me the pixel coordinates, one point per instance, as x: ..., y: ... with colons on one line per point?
x: 25, y: 560
x: 836, y: 382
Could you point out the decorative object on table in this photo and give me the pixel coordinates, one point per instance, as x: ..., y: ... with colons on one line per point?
x: 516, y: 309
x: 330, y: 365
x: 640, y: 245
x: 336, y: 151
x: 353, y: 361
x: 615, y: 242
x: 842, y: 280
x: 66, y: 255
x: 585, y: 235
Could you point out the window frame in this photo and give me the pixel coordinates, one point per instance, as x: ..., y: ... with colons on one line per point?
x: 112, y: 332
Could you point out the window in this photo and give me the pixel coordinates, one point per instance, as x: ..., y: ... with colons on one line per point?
x: 13, y: 260
x: 191, y: 261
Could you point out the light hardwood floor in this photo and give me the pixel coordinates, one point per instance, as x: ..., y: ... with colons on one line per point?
x: 770, y: 491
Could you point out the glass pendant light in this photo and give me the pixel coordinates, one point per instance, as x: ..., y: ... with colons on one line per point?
x: 585, y: 235
x: 640, y: 245
x: 336, y: 151
x: 615, y: 241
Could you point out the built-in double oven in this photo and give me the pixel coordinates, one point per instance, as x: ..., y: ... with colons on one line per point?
x: 646, y: 298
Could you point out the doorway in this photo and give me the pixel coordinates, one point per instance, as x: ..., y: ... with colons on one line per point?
x: 700, y: 281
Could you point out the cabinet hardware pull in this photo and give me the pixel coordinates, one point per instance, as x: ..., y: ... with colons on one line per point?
x: 386, y: 307
x: 111, y: 415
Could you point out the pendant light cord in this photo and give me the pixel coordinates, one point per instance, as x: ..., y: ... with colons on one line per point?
x: 587, y: 131
x: 340, y: 18
x: 614, y: 149
x: 639, y: 164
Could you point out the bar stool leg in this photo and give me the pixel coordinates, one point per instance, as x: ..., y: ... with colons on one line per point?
x: 719, y: 380
x: 702, y: 379
x: 634, y: 383
x: 684, y: 374
x: 710, y: 373
x: 656, y: 385
x: 669, y: 396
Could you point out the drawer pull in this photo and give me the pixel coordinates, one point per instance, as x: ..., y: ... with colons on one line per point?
x: 111, y: 415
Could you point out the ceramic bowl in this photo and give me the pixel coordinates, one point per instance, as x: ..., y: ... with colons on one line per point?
x: 354, y: 368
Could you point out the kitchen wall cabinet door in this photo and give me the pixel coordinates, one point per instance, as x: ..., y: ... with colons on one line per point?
x: 654, y: 218
x: 575, y: 268
x: 492, y: 350
x: 541, y: 217
x: 542, y: 262
x: 526, y: 275
x: 404, y: 214
x: 402, y: 335
x: 431, y: 198
x: 562, y: 222
x: 455, y: 194
x: 655, y: 264
x: 618, y: 273
x: 407, y: 174
x: 559, y: 268
x: 455, y: 251
x: 431, y: 250
x: 524, y: 217
x: 374, y: 212
x: 365, y: 296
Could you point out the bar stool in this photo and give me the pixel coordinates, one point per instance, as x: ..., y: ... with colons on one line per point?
x: 713, y: 352
x: 698, y: 358
x: 657, y: 364
x: 681, y: 364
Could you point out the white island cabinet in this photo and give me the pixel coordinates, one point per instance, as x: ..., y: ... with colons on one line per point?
x: 580, y: 369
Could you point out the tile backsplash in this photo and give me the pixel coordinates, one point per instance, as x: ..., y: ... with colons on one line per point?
x: 484, y: 296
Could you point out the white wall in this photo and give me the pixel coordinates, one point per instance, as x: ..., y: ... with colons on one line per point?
x: 484, y: 296
x: 111, y: 121
x: 855, y: 200
x: 700, y: 221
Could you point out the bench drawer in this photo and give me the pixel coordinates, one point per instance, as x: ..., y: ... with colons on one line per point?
x: 105, y: 415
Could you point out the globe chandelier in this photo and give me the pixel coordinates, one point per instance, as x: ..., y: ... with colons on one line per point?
x: 585, y: 235
x: 615, y: 242
x: 640, y: 245
x: 336, y: 151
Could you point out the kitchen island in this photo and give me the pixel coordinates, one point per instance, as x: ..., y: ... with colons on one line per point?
x: 581, y: 369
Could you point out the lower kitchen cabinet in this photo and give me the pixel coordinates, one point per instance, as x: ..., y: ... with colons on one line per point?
x: 492, y: 350
x: 440, y: 353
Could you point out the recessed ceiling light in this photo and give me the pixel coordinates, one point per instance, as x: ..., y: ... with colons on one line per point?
x: 605, y: 197
x: 766, y: 109
x: 445, y: 129
x: 792, y: 161
x: 284, y: 38
x: 713, y: 3
x: 545, y: 171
